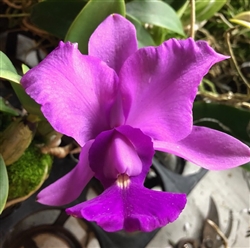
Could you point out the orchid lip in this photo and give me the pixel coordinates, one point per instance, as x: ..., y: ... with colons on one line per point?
x: 123, y: 181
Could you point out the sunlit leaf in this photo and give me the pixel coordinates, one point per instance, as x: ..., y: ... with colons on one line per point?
x: 4, y: 184
x: 94, y: 12
x: 8, y: 71
x: 242, y: 19
x: 25, y: 68
x: 56, y: 16
x: 143, y: 37
x: 204, y: 10
x: 156, y: 13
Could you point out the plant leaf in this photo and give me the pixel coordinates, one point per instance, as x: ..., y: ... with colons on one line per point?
x: 235, y: 121
x: 143, y: 37
x: 242, y: 19
x: 88, y: 20
x: 155, y: 12
x: 246, y: 166
x: 8, y: 71
x: 204, y: 10
x: 4, y: 184
x: 25, y: 68
x: 56, y: 16
x: 6, y: 108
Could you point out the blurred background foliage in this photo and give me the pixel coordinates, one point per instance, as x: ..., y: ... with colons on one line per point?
x: 223, y: 98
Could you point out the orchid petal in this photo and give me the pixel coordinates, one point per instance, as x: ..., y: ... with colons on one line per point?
x: 76, y: 92
x: 132, y: 209
x: 116, y: 155
x: 122, y: 150
x: 209, y: 149
x: 113, y: 41
x: 70, y: 186
x: 159, y: 84
x: 144, y: 147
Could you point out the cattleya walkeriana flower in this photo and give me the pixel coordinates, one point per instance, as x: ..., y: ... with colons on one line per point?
x: 120, y: 104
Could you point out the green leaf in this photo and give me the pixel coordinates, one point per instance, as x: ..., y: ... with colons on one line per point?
x: 143, y: 37
x: 8, y: 71
x: 204, y: 10
x: 4, y: 184
x: 7, y: 109
x: 94, y: 12
x: 182, y: 10
x: 242, y: 19
x: 56, y: 16
x: 159, y: 34
x: 27, y: 102
x: 229, y: 119
x: 246, y: 166
x: 25, y: 68
x: 156, y: 13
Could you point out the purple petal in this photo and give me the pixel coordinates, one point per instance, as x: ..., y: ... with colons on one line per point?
x: 116, y: 154
x: 132, y: 209
x: 122, y: 150
x: 144, y: 147
x: 76, y: 92
x: 69, y: 187
x: 159, y: 86
x: 113, y: 41
x: 208, y: 148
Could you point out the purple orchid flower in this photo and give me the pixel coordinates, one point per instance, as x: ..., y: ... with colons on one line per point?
x: 120, y: 104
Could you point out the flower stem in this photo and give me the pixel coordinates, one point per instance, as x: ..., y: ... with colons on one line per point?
x: 192, y: 20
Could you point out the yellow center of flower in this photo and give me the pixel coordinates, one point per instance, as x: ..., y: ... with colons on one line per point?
x: 123, y: 181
